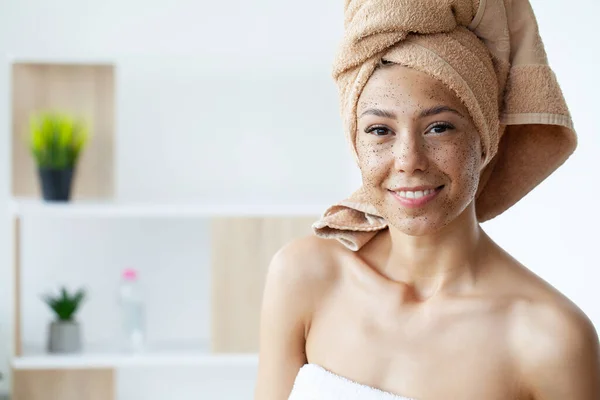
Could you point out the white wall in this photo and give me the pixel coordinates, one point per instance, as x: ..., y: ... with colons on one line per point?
x: 236, y: 99
x: 232, y: 103
x: 554, y: 230
x: 171, y: 256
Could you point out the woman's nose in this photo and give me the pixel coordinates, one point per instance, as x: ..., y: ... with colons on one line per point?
x: 410, y: 153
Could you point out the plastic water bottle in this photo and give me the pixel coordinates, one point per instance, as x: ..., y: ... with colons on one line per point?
x: 133, y: 318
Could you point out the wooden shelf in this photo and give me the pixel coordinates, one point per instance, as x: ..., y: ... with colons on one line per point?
x: 84, y: 90
x: 110, y: 209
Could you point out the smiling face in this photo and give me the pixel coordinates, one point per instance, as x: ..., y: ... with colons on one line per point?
x: 419, y: 151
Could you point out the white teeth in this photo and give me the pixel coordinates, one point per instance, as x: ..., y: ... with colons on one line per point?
x: 415, y: 195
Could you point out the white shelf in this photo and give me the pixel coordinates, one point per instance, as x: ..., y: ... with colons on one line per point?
x: 166, y: 358
x: 58, y: 59
x: 110, y: 209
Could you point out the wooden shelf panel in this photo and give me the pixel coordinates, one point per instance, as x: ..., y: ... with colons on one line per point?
x: 240, y: 256
x: 92, y: 384
x: 85, y: 90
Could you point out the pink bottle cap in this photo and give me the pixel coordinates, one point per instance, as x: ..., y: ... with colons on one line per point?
x: 130, y: 274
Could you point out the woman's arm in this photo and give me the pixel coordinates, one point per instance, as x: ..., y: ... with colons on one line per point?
x: 285, y: 315
x: 561, y: 356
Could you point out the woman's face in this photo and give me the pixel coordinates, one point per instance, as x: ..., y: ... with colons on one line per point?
x: 419, y: 152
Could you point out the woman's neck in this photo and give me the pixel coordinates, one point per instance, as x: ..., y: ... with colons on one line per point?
x: 446, y: 261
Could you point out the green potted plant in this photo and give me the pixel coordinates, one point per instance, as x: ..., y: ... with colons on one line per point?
x: 56, y: 143
x: 64, y: 335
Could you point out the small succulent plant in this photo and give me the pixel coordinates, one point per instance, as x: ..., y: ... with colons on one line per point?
x: 65, y: 305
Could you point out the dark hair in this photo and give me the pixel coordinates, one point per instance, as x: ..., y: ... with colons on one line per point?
x: 383, y: 62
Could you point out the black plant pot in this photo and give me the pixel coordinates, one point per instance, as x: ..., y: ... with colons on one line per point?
x: 56, y: 183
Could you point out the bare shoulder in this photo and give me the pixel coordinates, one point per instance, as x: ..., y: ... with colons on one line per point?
x: 554, y: 342
x: 308, y: 259
x: 551, y: 326
x: 298, y: 275
x: 303, y: 269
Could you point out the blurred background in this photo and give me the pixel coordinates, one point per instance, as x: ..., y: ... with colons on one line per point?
x: 207, y: 135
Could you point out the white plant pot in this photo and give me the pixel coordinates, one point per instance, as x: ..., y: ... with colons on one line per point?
x: 64, y: 337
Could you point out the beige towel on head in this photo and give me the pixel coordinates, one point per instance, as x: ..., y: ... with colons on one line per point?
x: 490, y: 53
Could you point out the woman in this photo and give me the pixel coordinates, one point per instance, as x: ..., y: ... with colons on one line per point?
x: 450, y: 125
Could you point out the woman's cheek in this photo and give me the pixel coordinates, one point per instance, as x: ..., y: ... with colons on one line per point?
x: 464, y: 164
x: 372, y: 163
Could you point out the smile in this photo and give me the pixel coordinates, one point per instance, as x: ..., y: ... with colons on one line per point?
x: 416, y: 198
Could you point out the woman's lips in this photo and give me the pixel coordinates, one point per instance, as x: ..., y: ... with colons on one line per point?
x: 415, y: 203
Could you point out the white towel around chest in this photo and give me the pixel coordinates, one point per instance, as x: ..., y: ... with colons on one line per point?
x: 316, y: 383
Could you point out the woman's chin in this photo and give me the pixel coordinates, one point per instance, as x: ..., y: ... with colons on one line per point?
x: 418, y: 226
x: 425, y: 221
x: 411, y: 220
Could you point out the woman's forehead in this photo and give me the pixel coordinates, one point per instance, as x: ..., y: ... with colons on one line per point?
x: 396, y: 86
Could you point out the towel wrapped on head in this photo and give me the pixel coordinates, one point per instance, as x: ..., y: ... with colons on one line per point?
x: 490, y: 54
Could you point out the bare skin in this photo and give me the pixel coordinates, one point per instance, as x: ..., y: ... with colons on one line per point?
x: 431, y: 308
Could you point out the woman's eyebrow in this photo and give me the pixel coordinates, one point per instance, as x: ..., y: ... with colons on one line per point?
x: 379, y: 113
x: 428, y: 112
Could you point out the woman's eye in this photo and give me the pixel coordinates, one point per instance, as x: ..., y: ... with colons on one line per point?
x: 378, y: 131
x: 440, y: 128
